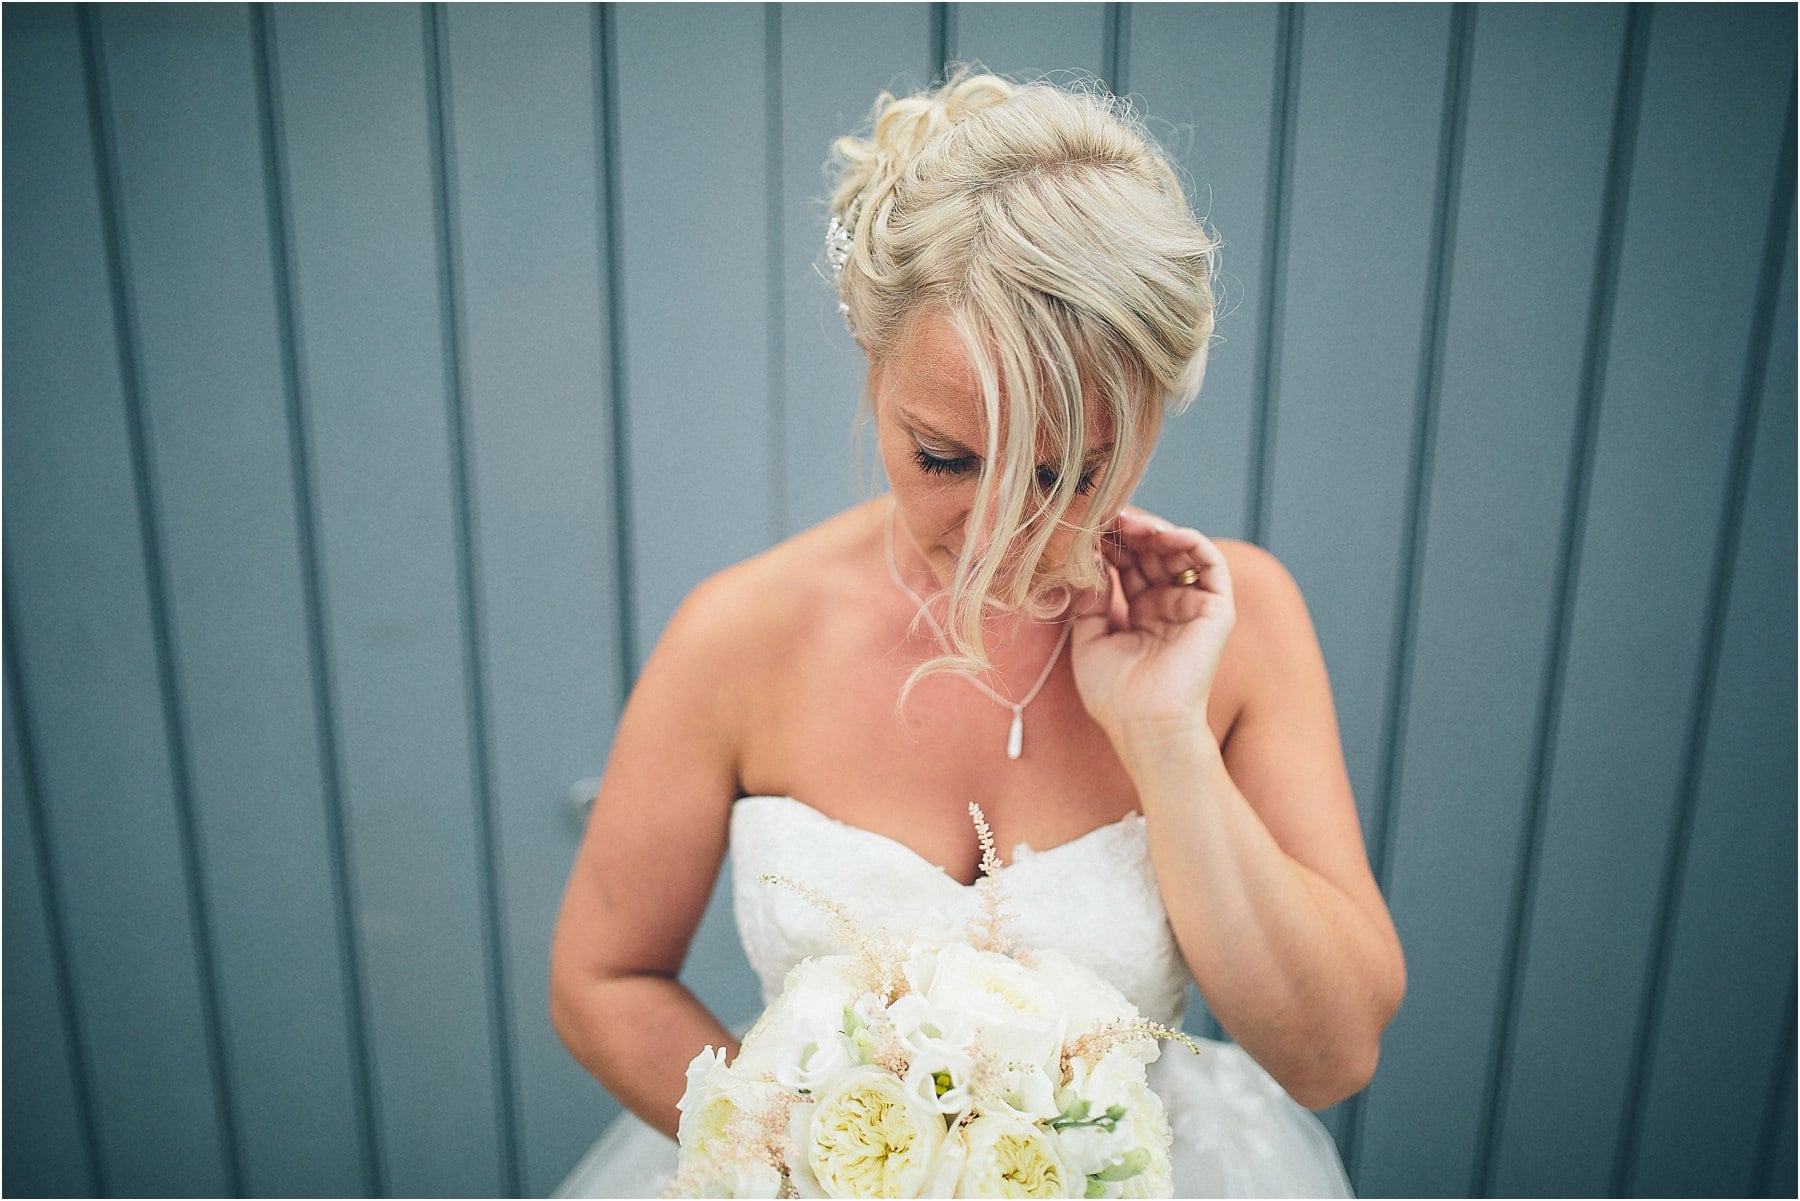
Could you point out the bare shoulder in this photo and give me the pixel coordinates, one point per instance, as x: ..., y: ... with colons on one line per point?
x: 1271, y: 612
x: 1272, y: 637
x: 744, y: 621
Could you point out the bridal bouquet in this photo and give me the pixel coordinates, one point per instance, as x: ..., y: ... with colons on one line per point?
x: 960, y: 1069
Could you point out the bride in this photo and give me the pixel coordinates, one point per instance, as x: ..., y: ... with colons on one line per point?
x: 1142, y: 713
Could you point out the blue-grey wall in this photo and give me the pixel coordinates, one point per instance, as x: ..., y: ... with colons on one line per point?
x: 378, y: 379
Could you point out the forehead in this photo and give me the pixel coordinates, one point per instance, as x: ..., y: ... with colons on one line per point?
x: 930, y: 378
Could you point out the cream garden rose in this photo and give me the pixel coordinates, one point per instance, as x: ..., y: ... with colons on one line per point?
x: 1008, y: 1157
x: 867, y: 1135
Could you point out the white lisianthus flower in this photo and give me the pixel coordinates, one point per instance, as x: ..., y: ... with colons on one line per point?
x: 939, y: 1075
x: 865, y: 1136
x: 1026, y: 1091
x: 1011, y: 1158
x: 1015, y: 1016
x: 919, y: 1022
x: 1133, y: 1157
x: 939, y: 1068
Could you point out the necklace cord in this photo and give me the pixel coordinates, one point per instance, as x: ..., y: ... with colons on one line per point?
x: 1018, y: 707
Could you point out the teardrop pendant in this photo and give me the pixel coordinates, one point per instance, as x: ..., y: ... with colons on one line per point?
x: 1015, y: 738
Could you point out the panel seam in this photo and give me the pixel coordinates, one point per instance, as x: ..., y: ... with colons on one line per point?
x: 1706, y: 684
x: 288, y: 337
x: 1586, y: 437
x: 450, y: 282
x: 75, y: 1046
x: 1265, y: 384
x: 1780, y: 1082
x: 775, y: 263
x: 106, y: 171
x: 1429, y: 398
x: 606, y: 107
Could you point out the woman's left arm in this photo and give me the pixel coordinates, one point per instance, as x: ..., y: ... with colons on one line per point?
x: 1256, y: 845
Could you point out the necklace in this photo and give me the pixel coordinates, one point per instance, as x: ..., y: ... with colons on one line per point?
x: 1015, y: 737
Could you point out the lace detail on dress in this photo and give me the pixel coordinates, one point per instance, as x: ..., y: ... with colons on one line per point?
x: 1094, y: 898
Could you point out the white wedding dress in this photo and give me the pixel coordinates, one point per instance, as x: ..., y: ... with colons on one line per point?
x: 1237, y: 1133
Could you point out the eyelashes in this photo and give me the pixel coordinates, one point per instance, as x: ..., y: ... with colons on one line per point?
x: 931, y: 464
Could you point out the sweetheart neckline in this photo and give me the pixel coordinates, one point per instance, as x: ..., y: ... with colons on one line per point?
x: 1134, y: 816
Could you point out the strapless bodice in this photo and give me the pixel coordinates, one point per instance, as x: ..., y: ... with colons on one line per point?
x: 1094, y: 898
x: 1237, y: 1134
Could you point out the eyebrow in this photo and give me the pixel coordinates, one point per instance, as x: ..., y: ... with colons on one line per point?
x: 958, y: 445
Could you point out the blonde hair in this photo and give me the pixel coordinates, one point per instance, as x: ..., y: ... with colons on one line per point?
x: 1050, y: 230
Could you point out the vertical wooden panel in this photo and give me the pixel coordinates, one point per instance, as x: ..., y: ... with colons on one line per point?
x: 1715, y: 91
x: 1777, y: 1170
x: 693, y: 150
x: 835, y: 58
x: 523, y: 120
x: 1726, y: 1011
x: 48, y: 1152
x: 82, y: 613
x: 1541, y: 98
x: 1358, y: 272
x: 694, y: 187
x: 1029, y: 40
x: 1208, y: 76
x: 1365, y: 175
x: 190, y: 162
x: 369, y: 302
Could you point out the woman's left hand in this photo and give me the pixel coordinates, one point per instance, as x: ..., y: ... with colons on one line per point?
x: 1145, y: 657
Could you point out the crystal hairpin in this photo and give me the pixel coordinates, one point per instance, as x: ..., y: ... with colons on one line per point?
x: 837, y: 250
x: 837, y: 245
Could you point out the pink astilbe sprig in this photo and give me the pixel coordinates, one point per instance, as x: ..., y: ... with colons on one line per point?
x: 987, y: 926
x: 1094, y: 1043
x: 879, y: 959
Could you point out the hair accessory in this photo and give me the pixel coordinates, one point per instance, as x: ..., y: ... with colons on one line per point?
x: 1015, y: 736
x: 837, y: 245
x: 837, y: 251
x: 1188, y: 578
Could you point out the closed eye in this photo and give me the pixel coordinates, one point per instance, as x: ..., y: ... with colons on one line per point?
x: 1047, y: 480
x: 931, y: 464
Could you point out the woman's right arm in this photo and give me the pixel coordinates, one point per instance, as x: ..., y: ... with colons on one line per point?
x: 649, y: 858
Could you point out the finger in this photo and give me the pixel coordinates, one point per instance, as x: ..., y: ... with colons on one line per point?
x: 1144, y: 543
x: 1214, y: 573
x: 1184, y: 548
x: 1129, y: 562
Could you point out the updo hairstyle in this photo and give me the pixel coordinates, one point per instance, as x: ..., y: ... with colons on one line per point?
x: 1050, y: 230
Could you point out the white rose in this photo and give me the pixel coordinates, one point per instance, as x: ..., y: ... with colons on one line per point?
x: 1011, y: 1158
x: 1088, y: 1000
x: 714, y: 1095
x: 1016, y: 1016
x: 865, y: 1136
x: 794, y: 1038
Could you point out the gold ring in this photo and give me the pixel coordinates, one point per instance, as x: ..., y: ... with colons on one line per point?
x: 1189, y: 577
